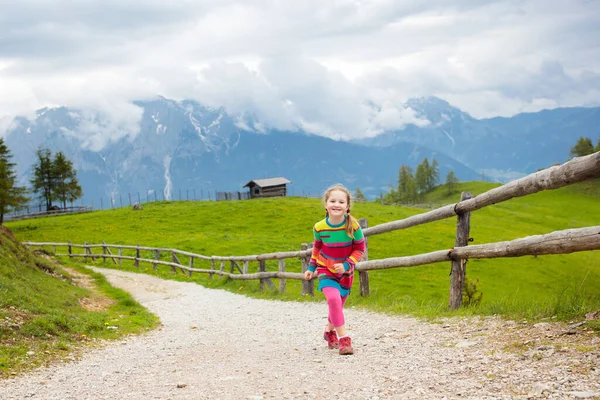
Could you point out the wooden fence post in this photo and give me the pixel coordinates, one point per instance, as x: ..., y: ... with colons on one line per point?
x: 107, y: 251
x: 459, y: 267
x: 245, y: 267
x: 156, y: 257
x: 70, y: 250
x: 363, y: 276
x: 308, y: 287
x: 136, y: 263
x: 174, y: 259
x: 282, y: 282
x: 85, y: 252
x: 120, y: 256
x: 262, y: 267
x: 212, y: 268
x: 91, y: 253
x: 191, y: 264
x: 103, y: 252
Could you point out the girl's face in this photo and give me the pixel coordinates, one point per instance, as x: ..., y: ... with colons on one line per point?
x: 337, y: 204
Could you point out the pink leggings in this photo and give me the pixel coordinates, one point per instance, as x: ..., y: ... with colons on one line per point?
x: 336, y: 305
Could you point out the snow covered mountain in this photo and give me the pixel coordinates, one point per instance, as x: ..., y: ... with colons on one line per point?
x: 501, y: 149
x: 183, y: 146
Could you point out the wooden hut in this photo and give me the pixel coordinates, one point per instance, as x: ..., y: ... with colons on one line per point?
x: 268, y: 187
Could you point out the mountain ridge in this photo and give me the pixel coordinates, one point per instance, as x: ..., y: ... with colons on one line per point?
x: 185, y: 145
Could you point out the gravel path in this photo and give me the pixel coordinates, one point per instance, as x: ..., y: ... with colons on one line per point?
x: 218, y: 345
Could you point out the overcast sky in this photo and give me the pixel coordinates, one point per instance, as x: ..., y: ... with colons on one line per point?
x: 341, y: 68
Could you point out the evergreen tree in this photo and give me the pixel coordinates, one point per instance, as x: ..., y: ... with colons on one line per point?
x: 43, y: 182
x: 11, y: 196
x: 391, y: 197
x: 597, y: 148
x: 66, y: 187
x: 583, y: 147
x: 422, y: 176
x: 451, y: 181
x: 359, y: 196
x: 407, y: 189
x: 434, y: 175
x: 55, y: 178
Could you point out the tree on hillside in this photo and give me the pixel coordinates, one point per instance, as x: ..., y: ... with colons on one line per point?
x: 421, y: 176
x: 407, y: 189
x: 11, y: 196
x: 583, y: 147
x: 451, y: 181
x: 55, y: 178
x: 433, y: 178
x: 66, y: 188
x: 391, y: 196
x: 597, y: 148
x: 359, y: 196
x: 42, y: 181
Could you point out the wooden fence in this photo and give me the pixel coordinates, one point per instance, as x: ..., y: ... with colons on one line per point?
x: 49, y: 213
x: 558, y: 242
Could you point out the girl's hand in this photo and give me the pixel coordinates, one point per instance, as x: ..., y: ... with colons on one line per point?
x: 308, y: 275
x: 339, y: 268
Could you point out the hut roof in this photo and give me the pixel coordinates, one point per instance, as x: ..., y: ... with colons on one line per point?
x: 268, y: 182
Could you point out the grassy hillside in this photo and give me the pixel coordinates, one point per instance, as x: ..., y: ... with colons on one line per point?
x: 47, y: 312
x: 561, y: 285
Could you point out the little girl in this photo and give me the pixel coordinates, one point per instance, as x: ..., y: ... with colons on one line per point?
x: 339, y: 244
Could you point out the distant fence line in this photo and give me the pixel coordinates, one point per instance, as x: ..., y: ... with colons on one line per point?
x: 49, y: 213
x: 557, y: 242
x: 38, y: 209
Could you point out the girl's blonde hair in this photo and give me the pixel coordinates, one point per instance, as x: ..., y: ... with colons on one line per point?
x: 351, y: 222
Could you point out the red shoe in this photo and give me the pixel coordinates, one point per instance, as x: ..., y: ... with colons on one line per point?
x: 332, y: 339
x: 346, y: 346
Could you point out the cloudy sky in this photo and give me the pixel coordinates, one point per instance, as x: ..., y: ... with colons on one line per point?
x: 341, y: 68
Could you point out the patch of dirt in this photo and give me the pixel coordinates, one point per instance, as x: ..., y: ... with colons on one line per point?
x: 97, y: 301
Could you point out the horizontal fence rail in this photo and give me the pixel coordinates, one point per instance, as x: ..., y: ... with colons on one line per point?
x: 576, y: 170
x: 558, y: 242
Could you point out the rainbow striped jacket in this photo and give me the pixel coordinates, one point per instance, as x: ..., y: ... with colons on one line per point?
x: 332, y: 245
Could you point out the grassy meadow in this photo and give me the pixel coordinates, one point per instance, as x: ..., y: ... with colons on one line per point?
x: 45, y: 315
x: 561, y: 286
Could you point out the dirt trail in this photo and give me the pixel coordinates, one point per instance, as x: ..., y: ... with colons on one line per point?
x: 218, y: 345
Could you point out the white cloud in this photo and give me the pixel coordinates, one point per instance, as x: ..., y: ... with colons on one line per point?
x: 99, y: 126
x: 340, y: 68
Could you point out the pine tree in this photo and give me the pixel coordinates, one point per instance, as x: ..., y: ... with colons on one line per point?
x: 597, y: 148
x: 434, y: 175
x: 43, y: 181
x: 583, y: 147
x: 451, y: 181
x: 359, y: 196
x: 407, y: 189
x: 11, y: 196
x: 422, y: 176
x: 66, y: 186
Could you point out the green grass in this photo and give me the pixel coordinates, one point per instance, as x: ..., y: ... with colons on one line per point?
x: 41, y: 316
x: 565, y: 286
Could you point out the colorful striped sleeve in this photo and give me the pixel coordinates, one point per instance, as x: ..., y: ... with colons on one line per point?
x: 317, y: 245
